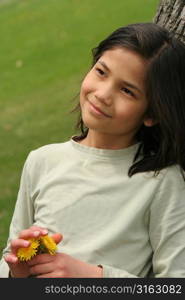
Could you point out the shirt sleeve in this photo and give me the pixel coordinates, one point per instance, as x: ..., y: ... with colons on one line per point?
x: 166, y: 230
x: 167, y: 226
x: 111, y: 272
x: 22, y: 216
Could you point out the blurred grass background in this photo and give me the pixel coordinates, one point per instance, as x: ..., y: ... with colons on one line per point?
x: 45, y: 50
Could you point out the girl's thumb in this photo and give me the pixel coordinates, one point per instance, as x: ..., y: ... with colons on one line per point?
x: 57, y: 237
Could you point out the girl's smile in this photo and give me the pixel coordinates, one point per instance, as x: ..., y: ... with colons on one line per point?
x: 97, y: 111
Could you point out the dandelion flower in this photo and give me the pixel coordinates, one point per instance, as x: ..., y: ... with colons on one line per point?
x: 44, y: 244
x: 47, y: 245
x: 27, y: 253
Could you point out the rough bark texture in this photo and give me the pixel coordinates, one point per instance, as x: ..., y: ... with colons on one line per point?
x: 171, y: 15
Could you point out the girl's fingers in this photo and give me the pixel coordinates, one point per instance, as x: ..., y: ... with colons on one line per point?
x: 41, y: 259
x: 36, y: 231
x: 11, y: 258
x: 43, y: 231
x: 18, y: 243
x: 57, y: 237
x: 41, y: 269
x: 32, y: 232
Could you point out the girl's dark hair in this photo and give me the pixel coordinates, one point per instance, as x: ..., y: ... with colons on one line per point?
x: 163, y: 144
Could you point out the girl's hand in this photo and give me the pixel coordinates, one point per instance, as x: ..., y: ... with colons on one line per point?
x: 61, y: 265
x: 18, y: 268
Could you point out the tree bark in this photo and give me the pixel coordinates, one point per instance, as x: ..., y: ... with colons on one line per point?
x: 171, y: 15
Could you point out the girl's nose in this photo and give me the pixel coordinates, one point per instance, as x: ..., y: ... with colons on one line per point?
x: 104, y: 94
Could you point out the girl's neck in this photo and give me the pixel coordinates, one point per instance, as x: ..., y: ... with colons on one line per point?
x: 104, y: 141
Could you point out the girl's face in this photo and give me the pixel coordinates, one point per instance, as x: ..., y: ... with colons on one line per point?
x: 112, y: 96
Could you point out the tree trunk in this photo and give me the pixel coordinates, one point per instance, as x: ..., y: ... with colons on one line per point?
x: 171, y: 15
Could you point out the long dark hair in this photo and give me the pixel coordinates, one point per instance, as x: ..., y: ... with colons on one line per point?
x: 163, y: 144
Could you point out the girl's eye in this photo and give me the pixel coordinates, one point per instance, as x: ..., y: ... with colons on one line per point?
x: 100, y: 71
x: 127, y: 91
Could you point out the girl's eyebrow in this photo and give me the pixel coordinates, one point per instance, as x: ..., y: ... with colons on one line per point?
x: 128, y: 84
x: 104, y: 65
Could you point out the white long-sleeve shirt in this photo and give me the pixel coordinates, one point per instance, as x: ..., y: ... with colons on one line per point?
x: 133, y: 227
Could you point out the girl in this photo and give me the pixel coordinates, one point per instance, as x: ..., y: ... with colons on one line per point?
x: 117, y: 191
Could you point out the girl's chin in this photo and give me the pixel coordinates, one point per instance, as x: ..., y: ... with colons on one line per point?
x: 91, y: 122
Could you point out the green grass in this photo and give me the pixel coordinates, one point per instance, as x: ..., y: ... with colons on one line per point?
x: 44, y: 54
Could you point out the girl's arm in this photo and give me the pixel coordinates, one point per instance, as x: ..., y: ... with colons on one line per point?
x: 22, y: 217
x: 167, y: 226
x: 166, y: 230
x: 62, y: 265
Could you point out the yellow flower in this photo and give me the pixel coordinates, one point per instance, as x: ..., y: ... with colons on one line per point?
x: 28, y: 252
x: 44, y: 244
x: 47, y: 244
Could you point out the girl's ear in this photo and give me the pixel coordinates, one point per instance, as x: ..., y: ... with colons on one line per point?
x: 149, y: 122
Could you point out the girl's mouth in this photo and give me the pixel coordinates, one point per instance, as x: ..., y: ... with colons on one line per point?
x: 97, y: 110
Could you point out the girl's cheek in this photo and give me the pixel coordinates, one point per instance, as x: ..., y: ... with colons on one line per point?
x: 85, y: 88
